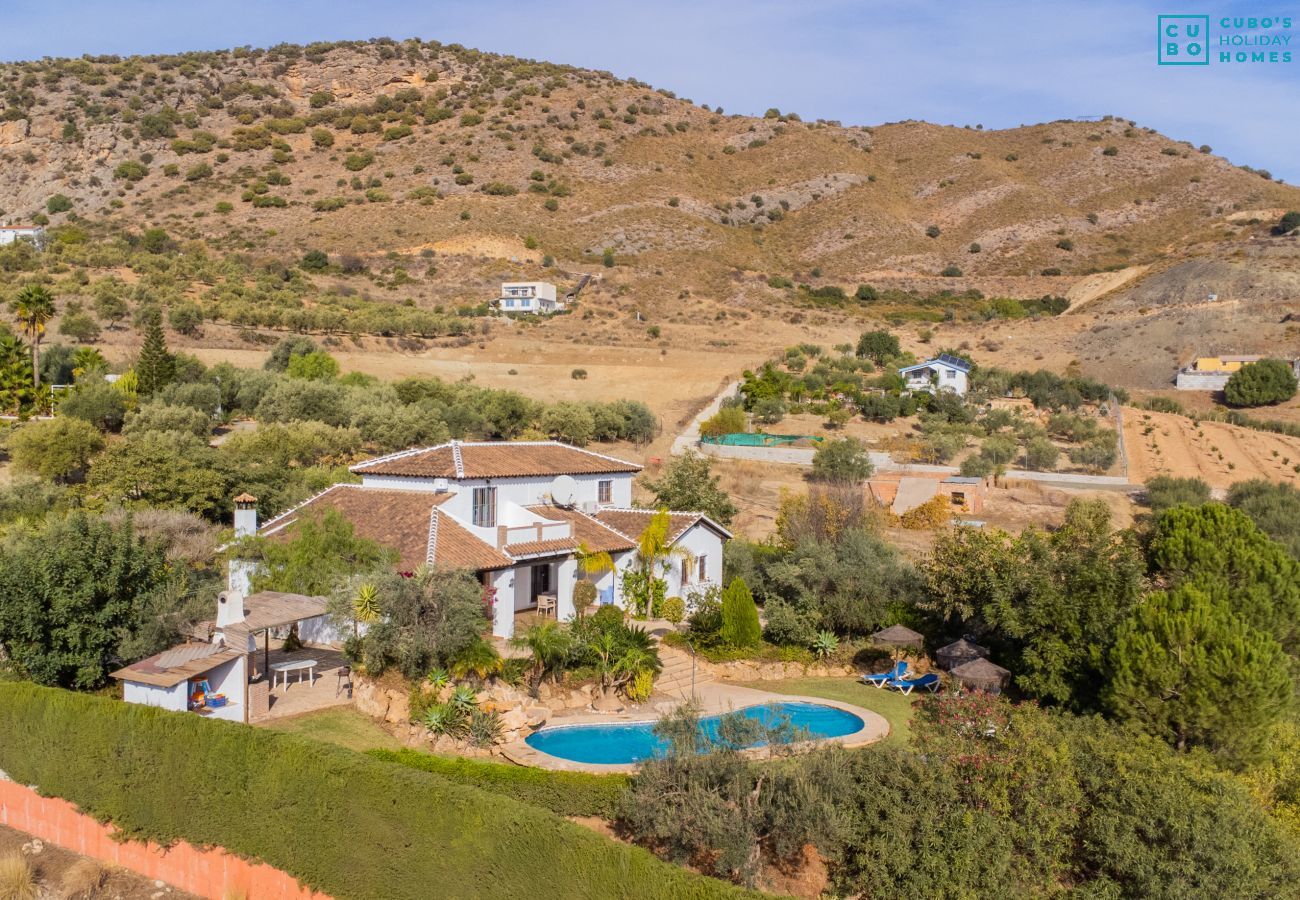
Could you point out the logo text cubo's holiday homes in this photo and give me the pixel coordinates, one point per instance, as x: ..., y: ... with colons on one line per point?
x: 1198, y: 40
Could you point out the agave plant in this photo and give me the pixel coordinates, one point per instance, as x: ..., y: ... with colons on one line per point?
x: 484, y: 727
x: 438, y: 679
x: 365, y: 605
x: 464, y: 697
x: 825, y: 644
x: 446, y: 718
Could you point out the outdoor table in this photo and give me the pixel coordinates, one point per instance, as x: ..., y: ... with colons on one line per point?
x: 293, y: 665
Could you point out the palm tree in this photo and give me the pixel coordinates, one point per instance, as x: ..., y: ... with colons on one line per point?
x: 34, y: 307
x: 655, y: 555
x: 15, y: 373
x: 87, y: 360
x: 479, y: 660
x: 549, y: 645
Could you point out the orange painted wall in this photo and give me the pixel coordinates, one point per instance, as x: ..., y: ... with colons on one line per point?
x: 208, y: 873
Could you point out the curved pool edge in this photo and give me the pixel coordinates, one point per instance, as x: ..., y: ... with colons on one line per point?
x: 874, y: 729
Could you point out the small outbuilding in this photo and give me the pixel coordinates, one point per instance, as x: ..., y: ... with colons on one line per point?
x: 982, y: 675
x: 959, y: 653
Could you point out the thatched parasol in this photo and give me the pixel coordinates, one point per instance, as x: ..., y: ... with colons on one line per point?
x: 982, y: 675
x: 898, y: 636
x: 958, y: 653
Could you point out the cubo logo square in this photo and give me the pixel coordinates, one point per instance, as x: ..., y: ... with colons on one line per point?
x: 1183, y: 40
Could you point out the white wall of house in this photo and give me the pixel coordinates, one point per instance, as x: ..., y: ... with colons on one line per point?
x: 175, y: 698
x: 948, y: 378
x: 319, y: 630
x: 229, y: 678
x: 503, y: 613
x: 527, y: 296
x: 703, y: 543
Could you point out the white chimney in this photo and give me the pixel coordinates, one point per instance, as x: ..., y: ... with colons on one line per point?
x: 245, y: 515
x: 230, y: 608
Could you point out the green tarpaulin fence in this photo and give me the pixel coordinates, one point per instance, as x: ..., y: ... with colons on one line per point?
x: 745, y: 439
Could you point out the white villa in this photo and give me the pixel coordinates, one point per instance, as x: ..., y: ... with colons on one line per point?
x: 529, y: 297
x: 943, y: 373
x: 516, y: 514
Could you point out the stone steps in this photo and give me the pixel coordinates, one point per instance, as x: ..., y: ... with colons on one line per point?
x: 675, y: 677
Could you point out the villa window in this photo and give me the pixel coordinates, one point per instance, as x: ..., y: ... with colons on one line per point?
x: 702, y: 569
x: 485, y: 507
x: 604, y: 491
x: 686, y: 571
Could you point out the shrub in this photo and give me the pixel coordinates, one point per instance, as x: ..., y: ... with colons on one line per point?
x: 17, y: 880
x: 674, y: 610
x: 1289, y: 222
x: 103, y: 755
x: 951, y: 272
x: 1261, y: 383
x: 1165, y: 491
x: 355, y: 162
x: 740, y: 625
x: 315, y: 260
x: 58, y: 203
x: 841, y: 461
x: 131, y: 171
x: 932, y: 231
x: 584, y: 594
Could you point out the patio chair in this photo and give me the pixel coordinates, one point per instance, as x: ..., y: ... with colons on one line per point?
x: 929, y: 681
x: 882, y: 678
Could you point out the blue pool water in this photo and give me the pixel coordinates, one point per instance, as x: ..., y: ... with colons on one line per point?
x: 636, y: 741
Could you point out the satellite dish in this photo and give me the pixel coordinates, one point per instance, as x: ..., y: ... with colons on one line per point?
x: 564, y: 491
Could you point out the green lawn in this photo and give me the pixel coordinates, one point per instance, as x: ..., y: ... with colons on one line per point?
x: 896, y: 708
x: 341, y: 725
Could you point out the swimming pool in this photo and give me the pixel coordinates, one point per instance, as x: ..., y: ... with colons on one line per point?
x: 636, y: 741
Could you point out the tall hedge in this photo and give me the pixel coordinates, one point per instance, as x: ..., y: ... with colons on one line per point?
x: 341, y: 822
x: 563, y: 793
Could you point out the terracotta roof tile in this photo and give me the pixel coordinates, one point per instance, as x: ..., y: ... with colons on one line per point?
x: 634, y: 521
x: 457, y: 547
x: 532, y: 548
x: 398, y: 520
x: 588, y: 530
x: 498, y: 459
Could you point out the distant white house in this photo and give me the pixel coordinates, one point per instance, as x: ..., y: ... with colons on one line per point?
x: 10, y: 234
x: 528, y: 297
x: 943, y: 373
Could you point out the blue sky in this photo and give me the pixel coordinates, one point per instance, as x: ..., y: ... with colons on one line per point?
x: 999, y: 63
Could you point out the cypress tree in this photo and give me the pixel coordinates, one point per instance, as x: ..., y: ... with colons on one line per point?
x: 156, y: 368
x: 740, y: 625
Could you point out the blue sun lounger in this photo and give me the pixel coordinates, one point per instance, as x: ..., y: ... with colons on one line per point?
x: 883, y: 678
x: 929, y: 681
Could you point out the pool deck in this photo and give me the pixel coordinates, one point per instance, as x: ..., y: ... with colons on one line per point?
x: 714, y: 698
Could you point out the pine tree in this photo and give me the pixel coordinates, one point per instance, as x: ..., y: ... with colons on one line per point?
x: 156, y: 367
x: 1184, y: 668
x: 740, y: 625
